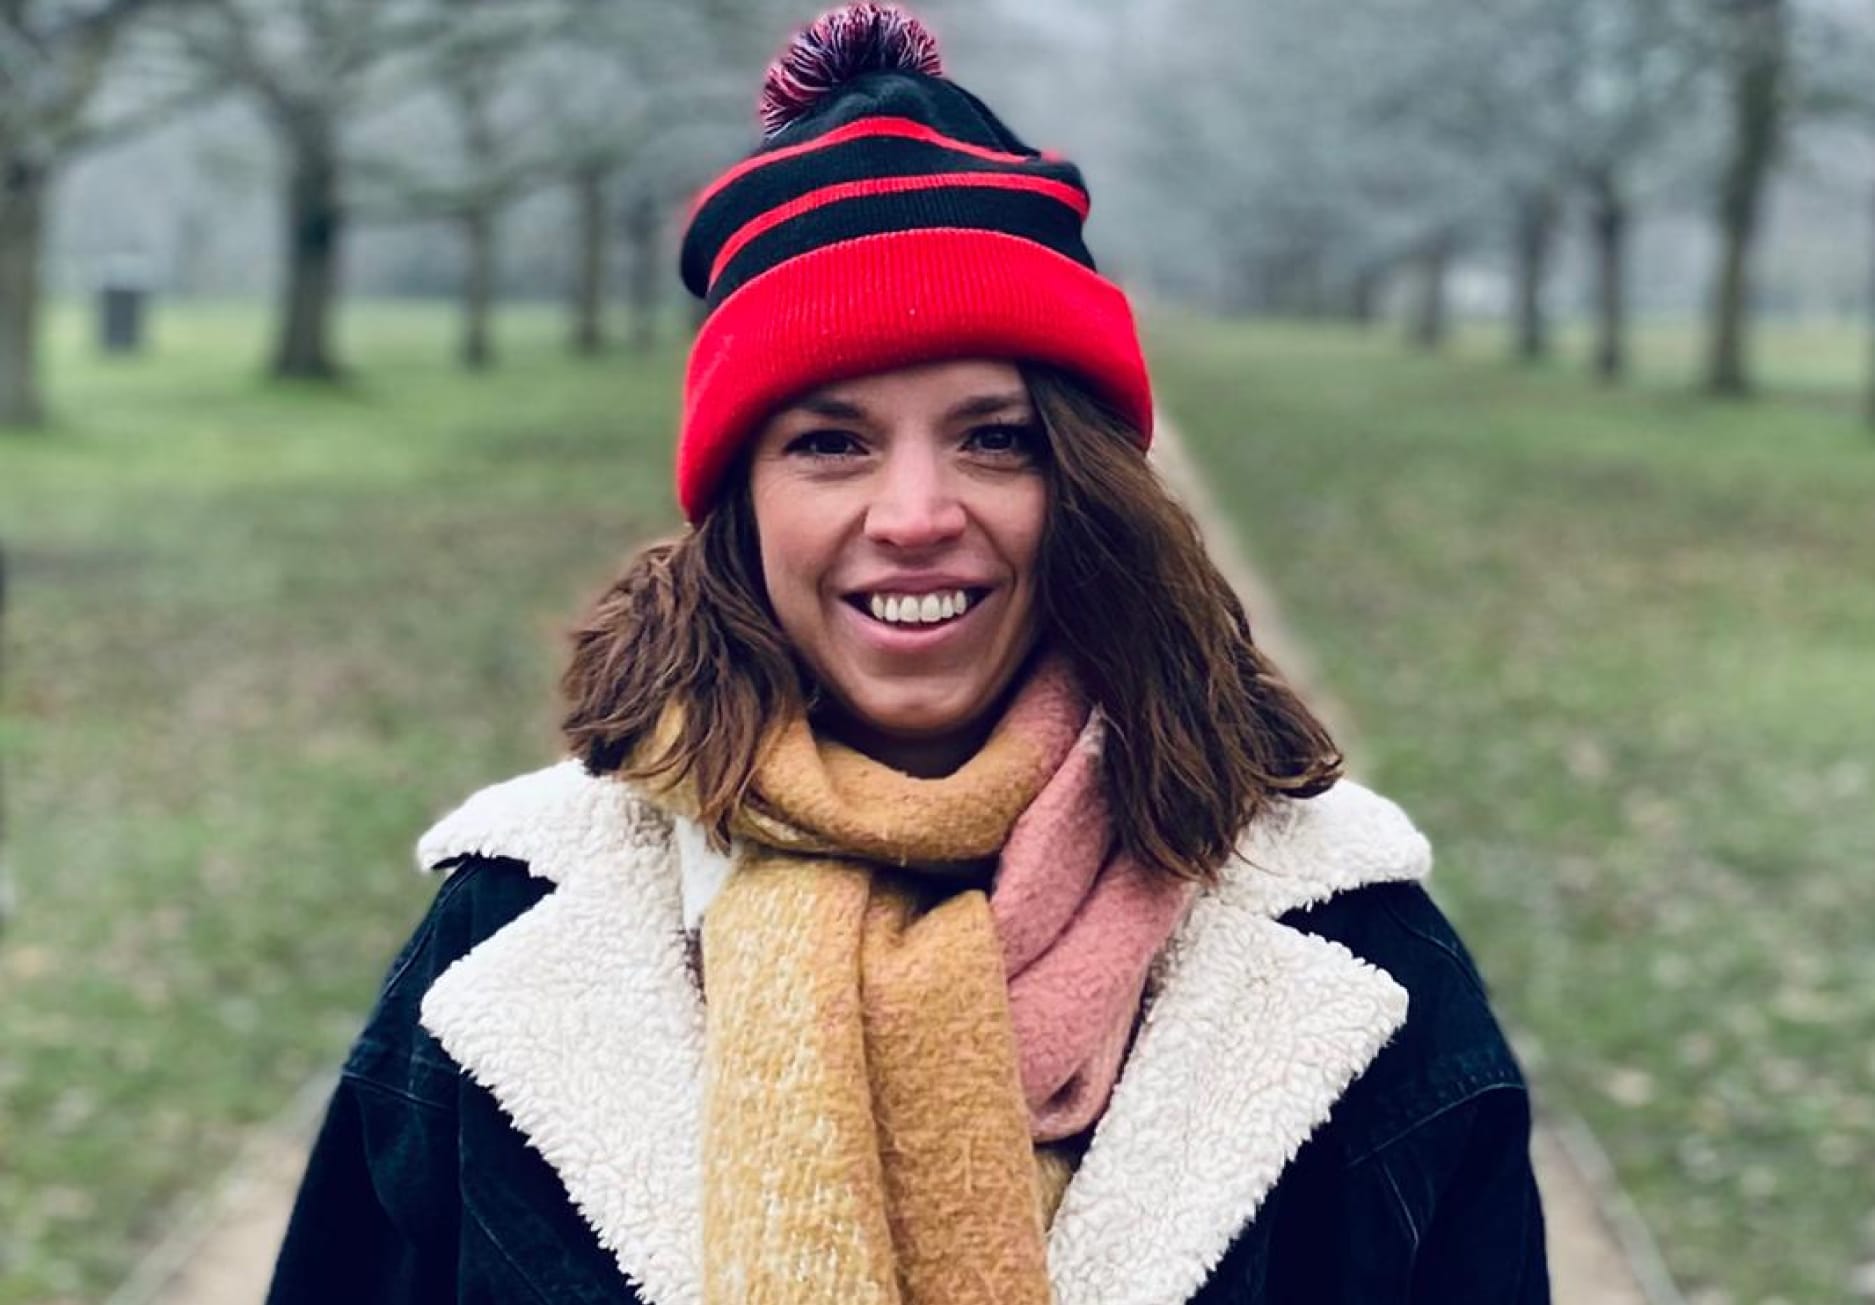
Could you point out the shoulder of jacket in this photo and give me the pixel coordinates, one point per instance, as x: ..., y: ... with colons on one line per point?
x: 554, y: 819
x: 1452, y: 1048
x: 1300, y: 852
x: 481, y: 896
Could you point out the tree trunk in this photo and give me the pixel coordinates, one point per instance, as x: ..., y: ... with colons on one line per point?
x: 1759, y: 31
x: 315, y: 224
x: 641, y: 233
x: 1608, y: 229
x: 589, y: 272
x: 476, y: 351
x: 1869, y: 401
x: 1429, y: 314
x: 1364, y: 296
x: 1534, y: 238
x: 1308, y: 294
x: 6, y: 881
x: 24, y: 185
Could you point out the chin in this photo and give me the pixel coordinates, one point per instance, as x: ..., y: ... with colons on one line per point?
x: 916, y: 713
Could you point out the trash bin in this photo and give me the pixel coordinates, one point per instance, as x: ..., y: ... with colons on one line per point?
x: 121, y: 304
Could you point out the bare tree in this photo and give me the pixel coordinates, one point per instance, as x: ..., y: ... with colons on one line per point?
x: 467, y: 75
x: 664, y: 98
x: 587, y: 94
x: 1827, y: 89
x: 1755, y: 54
x: 1868, y: 393
x: 1552, y: 99
x: 310, y: 67
x: 1537, y: 216
x: 497, y: 157
x: 1428, y: 324
x: 620, y: 81
x: 54, y: 58
x: 6, y: 877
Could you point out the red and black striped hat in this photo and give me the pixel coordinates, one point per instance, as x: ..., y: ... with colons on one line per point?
x: 887, y: 218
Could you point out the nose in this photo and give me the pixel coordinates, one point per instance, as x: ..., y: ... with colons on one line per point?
x: 914, y: 504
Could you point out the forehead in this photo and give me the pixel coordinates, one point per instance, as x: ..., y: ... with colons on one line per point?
x: 958, y: 388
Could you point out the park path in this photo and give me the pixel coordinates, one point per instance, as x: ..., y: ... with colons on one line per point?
x: 222, y: 1252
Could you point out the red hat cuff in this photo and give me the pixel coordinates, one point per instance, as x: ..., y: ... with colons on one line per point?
x: 889, y: 300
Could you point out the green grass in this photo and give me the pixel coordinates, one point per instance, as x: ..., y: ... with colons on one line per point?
x: 1612, y: 650
x: 1808, y: 362
x: 258, y: 637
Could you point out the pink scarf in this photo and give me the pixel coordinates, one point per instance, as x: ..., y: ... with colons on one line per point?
x: 1080, y: 921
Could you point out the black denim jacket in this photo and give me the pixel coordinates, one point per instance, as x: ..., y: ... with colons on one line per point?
x: 1418, y: 1188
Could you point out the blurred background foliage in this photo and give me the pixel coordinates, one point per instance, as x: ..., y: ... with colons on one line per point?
x: 1528, y: 342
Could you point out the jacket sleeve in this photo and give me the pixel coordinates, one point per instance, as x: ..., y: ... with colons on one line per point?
x: 1474, y: 1212
x: 377, y: 1215
x: 375, y: 1218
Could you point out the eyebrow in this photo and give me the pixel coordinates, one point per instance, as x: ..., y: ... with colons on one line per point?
x: 981, y: 405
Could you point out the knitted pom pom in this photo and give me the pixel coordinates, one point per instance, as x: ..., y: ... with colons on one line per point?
x: 837, y: 47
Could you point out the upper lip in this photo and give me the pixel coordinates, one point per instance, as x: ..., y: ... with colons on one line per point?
x: 925, y: 582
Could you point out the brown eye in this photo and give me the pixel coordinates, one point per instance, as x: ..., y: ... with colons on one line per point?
x: 1006, y: 439
x: 822, y: 444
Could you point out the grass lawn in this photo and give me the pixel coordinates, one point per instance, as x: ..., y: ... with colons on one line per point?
x: 1613, y: 651
x: 258, y: 637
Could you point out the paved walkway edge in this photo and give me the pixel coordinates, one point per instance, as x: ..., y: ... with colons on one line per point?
x: 221, y: 1249
x: 1601, y: 1251
x: 1593, y: 1166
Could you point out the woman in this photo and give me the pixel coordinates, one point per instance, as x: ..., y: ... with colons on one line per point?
x: 944, y: 901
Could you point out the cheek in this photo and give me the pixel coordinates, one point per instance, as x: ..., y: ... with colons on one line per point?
x: 1022, y: 534
x: 792, y: 554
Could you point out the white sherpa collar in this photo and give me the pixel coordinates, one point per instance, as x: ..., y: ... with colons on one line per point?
x: 582, y: 1019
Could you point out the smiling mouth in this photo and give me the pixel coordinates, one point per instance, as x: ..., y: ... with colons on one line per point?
x: 912, y: 613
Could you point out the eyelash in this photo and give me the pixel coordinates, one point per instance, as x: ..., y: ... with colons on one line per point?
x: 1028, y: 438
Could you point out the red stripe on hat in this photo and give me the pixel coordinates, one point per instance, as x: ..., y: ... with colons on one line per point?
x: 813, y: 199
x: 906, y: 128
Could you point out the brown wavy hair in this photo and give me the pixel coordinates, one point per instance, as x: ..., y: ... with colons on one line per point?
x: 1202, y: 732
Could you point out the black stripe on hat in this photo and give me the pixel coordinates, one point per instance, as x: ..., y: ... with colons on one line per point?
x: 865, y: 158
x: 1042, y: 219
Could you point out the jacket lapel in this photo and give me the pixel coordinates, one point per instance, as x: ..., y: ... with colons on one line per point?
x: 582, y: 1020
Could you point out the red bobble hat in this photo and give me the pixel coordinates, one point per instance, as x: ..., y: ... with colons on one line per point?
x: 887, y: 218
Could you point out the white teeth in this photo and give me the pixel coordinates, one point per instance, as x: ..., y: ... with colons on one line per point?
x: 918, y: 609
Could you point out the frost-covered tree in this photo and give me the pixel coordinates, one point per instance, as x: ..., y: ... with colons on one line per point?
x: 1754, y: 44
x: 643, y: 101
x: 54, y: 59
x: 312, y: 69
x: 467, y: 145
x: 1592, y: 102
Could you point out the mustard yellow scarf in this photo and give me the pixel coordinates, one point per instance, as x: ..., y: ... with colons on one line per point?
x: 867, y: 1133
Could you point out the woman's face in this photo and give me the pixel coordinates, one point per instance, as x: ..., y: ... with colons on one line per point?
x: 899, y: 516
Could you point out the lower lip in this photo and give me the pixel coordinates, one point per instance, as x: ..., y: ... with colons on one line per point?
x: 913, y: 638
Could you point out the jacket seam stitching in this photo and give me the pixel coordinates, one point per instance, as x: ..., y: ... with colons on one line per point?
x: 1523, y: 1247
x: 1406, y: 1213
x: 413, y: 1057
x: 1472, y: 977
x: 513, y: 1265
x: 427, y: 931
x: 362, y: 1080
x: 1431, y: 1115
